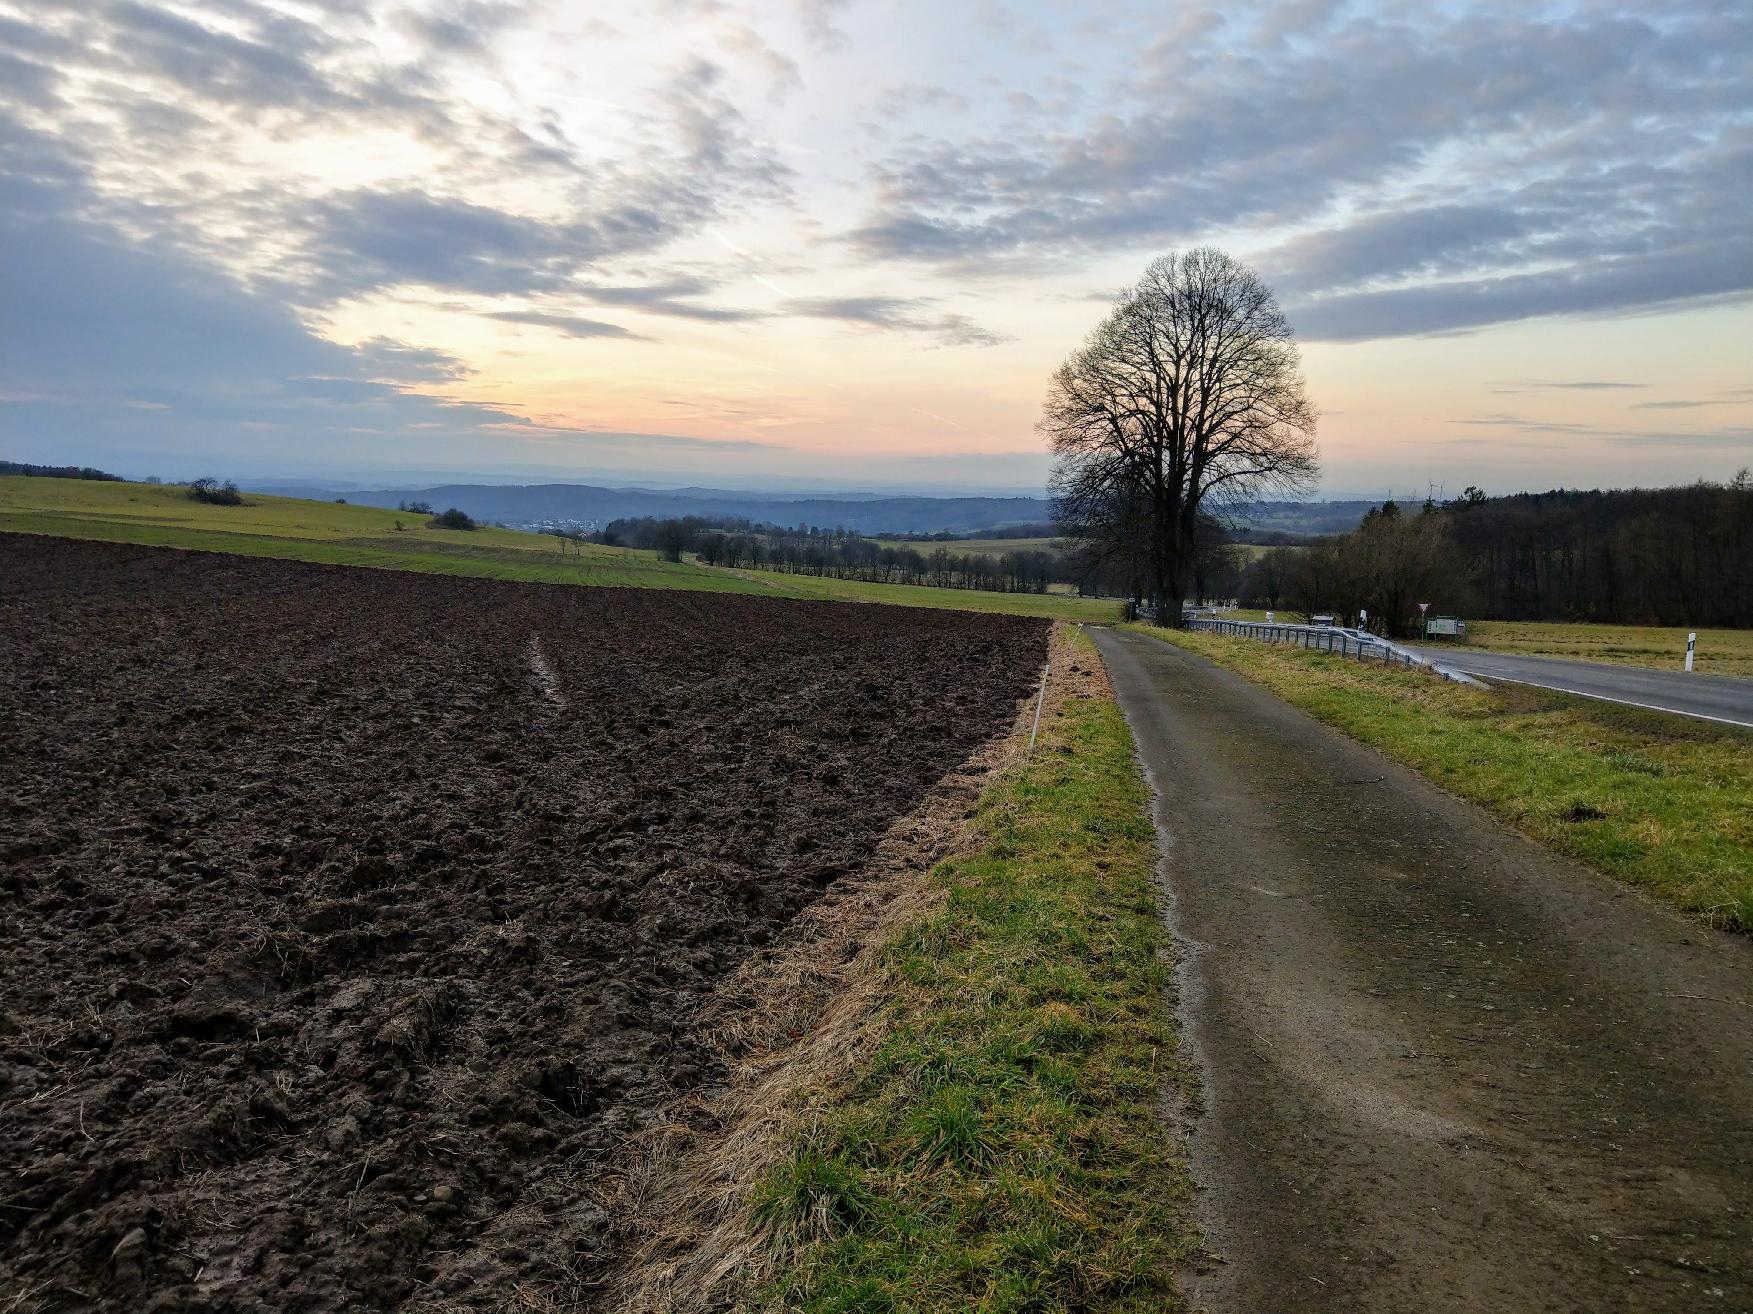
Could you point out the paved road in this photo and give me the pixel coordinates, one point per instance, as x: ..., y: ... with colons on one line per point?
x: 1445, y: 1070
x: 1715, y: 697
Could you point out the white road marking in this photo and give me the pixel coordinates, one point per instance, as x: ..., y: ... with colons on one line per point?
x: 1624, y: 702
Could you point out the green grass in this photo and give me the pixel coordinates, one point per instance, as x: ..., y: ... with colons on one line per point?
x: 1660, y: 802
x: 1054, y: 606
x: 292, y: 528
x: 1004, y: 1149
x: 1720, y: 652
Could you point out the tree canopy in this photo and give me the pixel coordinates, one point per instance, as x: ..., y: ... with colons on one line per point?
x: 1187, y: 398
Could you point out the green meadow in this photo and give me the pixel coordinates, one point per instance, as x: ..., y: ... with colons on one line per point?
x: 337, y: 533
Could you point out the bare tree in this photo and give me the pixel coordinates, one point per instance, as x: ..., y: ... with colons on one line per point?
x: 1187, y: 398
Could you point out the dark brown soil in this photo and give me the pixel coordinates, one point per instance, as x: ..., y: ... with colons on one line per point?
x: 350, y: 916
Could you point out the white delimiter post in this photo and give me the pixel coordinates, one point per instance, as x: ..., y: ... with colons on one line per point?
x: 1691, y: 643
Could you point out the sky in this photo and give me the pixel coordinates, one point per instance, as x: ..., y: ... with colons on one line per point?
x: 843, y: 243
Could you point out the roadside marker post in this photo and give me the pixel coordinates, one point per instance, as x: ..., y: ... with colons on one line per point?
x: 1691, y: 643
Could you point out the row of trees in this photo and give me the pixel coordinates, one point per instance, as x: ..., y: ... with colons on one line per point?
x: 837, y: 553
x: 56, y: 471
x: 1385, y: 568
x: 1667, y: 556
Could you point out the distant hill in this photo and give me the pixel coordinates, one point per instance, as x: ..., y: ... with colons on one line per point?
x: 536, y: 505
x: 1301, y: 517
x: 539, y: 504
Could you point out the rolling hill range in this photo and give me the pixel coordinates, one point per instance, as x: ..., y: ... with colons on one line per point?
x: 531, y: 504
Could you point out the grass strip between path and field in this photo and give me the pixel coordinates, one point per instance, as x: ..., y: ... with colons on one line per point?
x: 1661, y: 802
x: 1005, y: 1147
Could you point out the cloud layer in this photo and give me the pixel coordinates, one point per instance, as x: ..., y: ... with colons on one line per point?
x: 1403, y: 172
x: 400, y: 221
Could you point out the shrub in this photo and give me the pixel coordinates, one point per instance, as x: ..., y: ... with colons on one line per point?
x: 219, y: 494
x: 451, y: 519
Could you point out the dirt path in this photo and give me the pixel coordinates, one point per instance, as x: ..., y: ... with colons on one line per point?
x: 1445, y: 1069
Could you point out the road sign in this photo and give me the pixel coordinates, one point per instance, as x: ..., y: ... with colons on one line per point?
x: 1423, y: 607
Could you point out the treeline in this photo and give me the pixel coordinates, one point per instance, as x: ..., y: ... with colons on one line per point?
x: 56, y: 471
x: 1029, y: 529
x: 1215, y: 564
x: 1667, y: 556
x: 835, y: 553
x: 1374, y: 576
x: 1659, y: 556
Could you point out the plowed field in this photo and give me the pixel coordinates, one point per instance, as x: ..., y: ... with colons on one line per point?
x: 347, y: 917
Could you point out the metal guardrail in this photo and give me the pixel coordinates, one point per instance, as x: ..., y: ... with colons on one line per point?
x: 1336, y: 639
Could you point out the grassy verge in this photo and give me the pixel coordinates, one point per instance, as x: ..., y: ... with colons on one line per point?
x: 1660, y: 802
x: 345, y: 535
x: 1662, y: 648
x: 1720, y: 652
x: 1004, y: 1148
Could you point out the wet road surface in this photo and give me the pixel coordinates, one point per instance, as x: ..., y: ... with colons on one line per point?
x: 1713, y: 697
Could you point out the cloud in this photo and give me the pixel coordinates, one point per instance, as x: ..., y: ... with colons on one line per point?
x: 181, y: 117
x: 121, y: 348
x: 1677, y: 405
x: 571, y: 326
x: 362, y: 241
x: 1528, y: 425
x: 243, y: 173
x: 671, y: 298
x: 24, y: 81
x: 138, y: 358
x: 1726, y: 438
x: 1438, y: 170
x: 386, y: 358
x: 1586, y: 385
x: 1715, y: 268
x: 909, y: 314
x: 278, y: 61
x: 1427, y: 242
x: 462, y: 27
x: 819, y: 22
